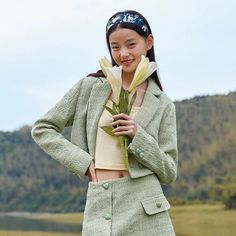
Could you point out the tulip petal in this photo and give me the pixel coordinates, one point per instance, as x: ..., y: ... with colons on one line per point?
x: 151, y: 68
x: 107, y: 62
x: 114, y: 78
x: 104, y: 64
x: 143, y: 71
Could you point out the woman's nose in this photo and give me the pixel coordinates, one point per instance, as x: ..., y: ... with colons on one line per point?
x: 124, y: 52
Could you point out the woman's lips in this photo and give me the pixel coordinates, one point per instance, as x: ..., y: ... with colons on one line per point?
x: 127, y: 62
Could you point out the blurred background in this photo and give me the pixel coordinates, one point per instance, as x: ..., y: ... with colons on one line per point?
x: 47, y: 46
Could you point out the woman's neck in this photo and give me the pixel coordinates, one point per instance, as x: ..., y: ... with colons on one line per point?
x: 127, y: 79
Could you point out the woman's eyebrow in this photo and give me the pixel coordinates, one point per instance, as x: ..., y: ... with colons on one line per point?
x: 113, y: 43
x: 129, y: 40
x: 126, y: 41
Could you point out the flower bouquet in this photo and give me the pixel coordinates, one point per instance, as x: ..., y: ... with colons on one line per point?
x: 124, y: 99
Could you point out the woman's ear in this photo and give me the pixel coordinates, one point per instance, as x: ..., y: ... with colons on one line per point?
x: 149, y: 41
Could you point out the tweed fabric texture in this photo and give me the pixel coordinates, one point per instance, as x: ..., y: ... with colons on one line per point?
x: 127, y: 207
x: 133, y: 202
x: 153, y: 149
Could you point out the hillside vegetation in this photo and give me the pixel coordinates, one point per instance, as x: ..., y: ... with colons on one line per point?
x: 207, y: 148
x: 32, y: 181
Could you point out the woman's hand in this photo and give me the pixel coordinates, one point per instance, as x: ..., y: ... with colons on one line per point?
x: 124, y: 125
x: 92, y: 173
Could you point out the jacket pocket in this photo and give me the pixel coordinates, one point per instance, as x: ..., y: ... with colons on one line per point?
x: 155, y: 204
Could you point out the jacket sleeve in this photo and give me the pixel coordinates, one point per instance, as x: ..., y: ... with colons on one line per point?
x: 158, y: 154
x: 46, y: 132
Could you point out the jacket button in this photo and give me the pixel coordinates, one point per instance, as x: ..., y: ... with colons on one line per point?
x: 108, y: 216
x: 159, y: 204
x: 105, y: 185
x: 141, y: 154
x: 138, y: 150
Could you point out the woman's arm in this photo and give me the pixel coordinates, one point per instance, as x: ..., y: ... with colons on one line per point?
x: 47, y: 134
x: 160, y: 155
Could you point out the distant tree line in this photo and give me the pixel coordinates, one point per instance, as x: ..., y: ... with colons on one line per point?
x: 30, y: 180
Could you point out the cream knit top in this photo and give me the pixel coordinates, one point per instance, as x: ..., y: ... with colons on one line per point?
x: 108, y: 153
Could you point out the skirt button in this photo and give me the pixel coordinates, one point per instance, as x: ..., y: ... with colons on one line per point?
x: 108, y: 216
x: 105, y: 185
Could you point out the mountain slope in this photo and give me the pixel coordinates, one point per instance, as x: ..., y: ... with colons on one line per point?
x: 31, y: 180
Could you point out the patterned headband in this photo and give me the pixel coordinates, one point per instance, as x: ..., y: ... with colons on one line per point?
x: 128, y: 18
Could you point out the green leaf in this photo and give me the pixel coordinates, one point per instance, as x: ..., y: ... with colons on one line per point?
x: 108, y: 130
x: 123, y: 104
x: 131, y: 103
x: 110, y: 110
x: 115, y: 108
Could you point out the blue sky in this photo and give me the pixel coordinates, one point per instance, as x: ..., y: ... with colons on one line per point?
x: 46, y: 46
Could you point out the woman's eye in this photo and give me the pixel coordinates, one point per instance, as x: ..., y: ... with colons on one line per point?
x: 131, y: 45
x: 115, y: 47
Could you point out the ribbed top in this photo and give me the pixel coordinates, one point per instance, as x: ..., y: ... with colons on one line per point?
x: 108, y: 153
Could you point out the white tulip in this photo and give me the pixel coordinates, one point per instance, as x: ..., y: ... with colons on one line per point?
x: 143, y: 71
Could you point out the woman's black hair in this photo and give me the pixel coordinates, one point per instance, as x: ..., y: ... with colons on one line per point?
x: 150, y: 53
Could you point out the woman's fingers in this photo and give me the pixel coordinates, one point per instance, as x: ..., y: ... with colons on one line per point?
x: 124, y: 125
x: 123, y: 122
x: 124, y: 131
x: 92, y: 173
x: 121, y: 116
x: 122, y: 128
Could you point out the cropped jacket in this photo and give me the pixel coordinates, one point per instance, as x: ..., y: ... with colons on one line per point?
x: 153, y: 149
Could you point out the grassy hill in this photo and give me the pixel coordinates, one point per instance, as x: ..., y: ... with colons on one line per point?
x: 207, y: 147
x: 31, y: 180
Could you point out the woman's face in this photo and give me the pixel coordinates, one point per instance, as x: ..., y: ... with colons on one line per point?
x: 127, y: 46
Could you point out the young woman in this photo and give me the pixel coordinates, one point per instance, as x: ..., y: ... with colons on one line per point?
x: 121, y: 200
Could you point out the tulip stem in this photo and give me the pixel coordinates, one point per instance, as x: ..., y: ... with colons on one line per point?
x: 126, y: 151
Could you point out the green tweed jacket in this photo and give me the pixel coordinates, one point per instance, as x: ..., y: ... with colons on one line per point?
x: 152, y: 150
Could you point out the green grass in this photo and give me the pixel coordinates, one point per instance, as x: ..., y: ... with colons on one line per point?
x: 68, y: 218
x: 34, y: 233
x: 206, y: 220
x: 188, y: 220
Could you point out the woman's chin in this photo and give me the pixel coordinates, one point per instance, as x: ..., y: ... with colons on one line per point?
x: 128, y: 70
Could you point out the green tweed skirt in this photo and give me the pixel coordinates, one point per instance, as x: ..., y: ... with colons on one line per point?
x: 127, y: 207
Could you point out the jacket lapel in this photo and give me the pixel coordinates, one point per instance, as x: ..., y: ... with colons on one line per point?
x: 150, y: 104
x: 98, y: 98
